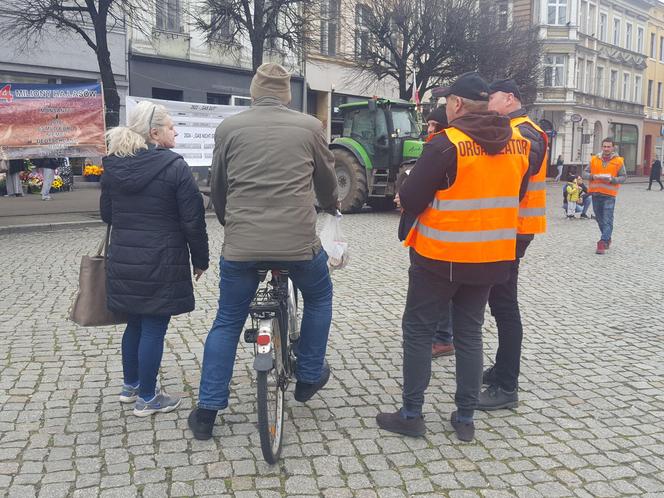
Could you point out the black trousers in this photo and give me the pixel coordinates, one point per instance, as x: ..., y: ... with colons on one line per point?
x: 504, y: 304
x: 428, y: 294
x: 656, y: 179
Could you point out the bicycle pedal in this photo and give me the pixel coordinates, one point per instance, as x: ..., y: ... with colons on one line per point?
x: 250, y: 336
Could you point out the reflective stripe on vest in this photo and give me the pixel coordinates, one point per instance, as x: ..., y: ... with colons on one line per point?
x: 532, y: 208
x: 475, y: 220
x: 612, y: 168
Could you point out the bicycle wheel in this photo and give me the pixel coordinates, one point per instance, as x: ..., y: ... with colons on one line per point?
x: 270, y: 401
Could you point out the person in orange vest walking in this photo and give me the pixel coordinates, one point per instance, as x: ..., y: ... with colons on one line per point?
x: 502, y: 378
x: 606, y: 172
x: 464, y: 192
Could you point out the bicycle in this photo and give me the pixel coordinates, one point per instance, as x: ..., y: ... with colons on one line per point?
x: 274, y: 333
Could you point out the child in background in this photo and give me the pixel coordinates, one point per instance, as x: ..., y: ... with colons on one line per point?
x: 573, y: 196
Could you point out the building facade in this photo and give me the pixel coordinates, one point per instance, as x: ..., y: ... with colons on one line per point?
x: 653, y: 89
x: 174, y: 61
x: 63, y: 57
x: 594, y: 69
x: 331, y: 76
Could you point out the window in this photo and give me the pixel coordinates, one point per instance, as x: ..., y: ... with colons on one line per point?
x: 554, y: 70
x: 588, y: 88
x: 603, y: 21
x: 169, y: 16
x: 653, y: 46
x: 659, y: 95
x: 592, y: 20
x: 362, y: 14
x: 625, y: 88
x: 613, y: 84
x: 616, y: 31
x: 557, y: 12
x: 650, y: 85
x: 329, y: 26
x: 639, y: 39
x: 583, y: 17
x: 579, y: 74
x: 628, y: 36
x: 167, y: 94
x: 637, y: 89
x: 220, y: 24
x: 503, y: 14
x: 661, y: 48
x: 599, y: 81
x: 218, y: 99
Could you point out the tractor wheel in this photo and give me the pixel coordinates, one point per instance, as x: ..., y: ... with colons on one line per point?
x: 382, y: 203
x: 351, y: 179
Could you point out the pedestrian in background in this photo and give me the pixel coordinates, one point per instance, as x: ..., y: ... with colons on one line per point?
x: 153, y: 204
x: 48, y: 166
x: 606, y: 172
x: 560, y: 165
x: 14, y: 187
x: 573, y: 196
x: 655, y: 173
x: 464, y: 193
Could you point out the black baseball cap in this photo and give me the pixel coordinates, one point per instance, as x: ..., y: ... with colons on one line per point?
x: 507, y: 86
x: 469, y: 86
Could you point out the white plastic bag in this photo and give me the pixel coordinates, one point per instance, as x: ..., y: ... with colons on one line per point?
x: 334, y: 242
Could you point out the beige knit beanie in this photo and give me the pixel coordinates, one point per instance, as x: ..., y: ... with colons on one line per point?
x: 271, y: 80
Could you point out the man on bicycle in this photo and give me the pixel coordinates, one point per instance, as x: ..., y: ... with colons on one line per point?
x: 267, y: 163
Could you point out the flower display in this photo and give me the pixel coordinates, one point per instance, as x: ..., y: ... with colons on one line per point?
x: 93, y: 170
x: 57, y: 183
x: 35, y: 180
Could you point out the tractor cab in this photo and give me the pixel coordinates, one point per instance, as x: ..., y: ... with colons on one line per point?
x: 379, y: 136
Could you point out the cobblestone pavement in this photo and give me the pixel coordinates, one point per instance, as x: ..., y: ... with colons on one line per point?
x: 590, y: 422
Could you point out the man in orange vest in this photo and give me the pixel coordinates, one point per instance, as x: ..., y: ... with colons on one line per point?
x: 502, y: 377
x: 606, y: 172
x: 464, y: 193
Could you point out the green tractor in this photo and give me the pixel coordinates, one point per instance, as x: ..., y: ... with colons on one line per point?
x: 381, y: 138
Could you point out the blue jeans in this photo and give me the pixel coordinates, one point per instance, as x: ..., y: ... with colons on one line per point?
x: 603, y: 205
x: 142, y: 349
x: 443, y: 333
x: 237, y: 286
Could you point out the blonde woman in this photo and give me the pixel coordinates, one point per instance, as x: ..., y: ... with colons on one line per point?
x: 150, y: 198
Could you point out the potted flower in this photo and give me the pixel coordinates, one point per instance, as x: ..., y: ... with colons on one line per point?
x: 92, y: 172
x: 34, y: 181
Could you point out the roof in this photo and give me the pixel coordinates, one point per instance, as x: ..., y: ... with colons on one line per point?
x: 380, y: 102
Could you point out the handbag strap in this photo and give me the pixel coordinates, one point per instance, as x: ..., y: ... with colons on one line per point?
x: 103, y: 245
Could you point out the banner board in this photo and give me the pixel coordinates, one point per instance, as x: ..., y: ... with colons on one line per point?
x: 195, y: 125
x: 51, y: 120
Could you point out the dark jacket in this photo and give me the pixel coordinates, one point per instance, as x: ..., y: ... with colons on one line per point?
x: 16, y: 166
x: 436, y: 170
x: 156, y: 211
x: 656, y: 170
x: 47, y: 162
x: 268, y: 161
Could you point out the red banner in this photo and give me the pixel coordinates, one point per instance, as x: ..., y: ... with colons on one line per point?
x: 51, y: 121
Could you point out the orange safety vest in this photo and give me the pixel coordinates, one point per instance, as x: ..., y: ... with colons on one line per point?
x: 475, y: 220
x: 597, y: 167
x: 532, y: 208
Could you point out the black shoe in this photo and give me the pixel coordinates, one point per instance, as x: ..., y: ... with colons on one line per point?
x: 496, y: 398
x: 408, y: 426
x: 465, y: 431
x: 304, y: 391
x: 584, y: 216
x: 489, y: 376
x: 201, y: 423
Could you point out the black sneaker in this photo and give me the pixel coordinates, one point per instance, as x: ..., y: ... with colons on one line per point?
x: 584, y: 216
x: 496, y: 398
x: 394, y: 422
x: 201, y: 426
x: 465, y: 431
x: 304, y: 391
x: 489, y: 376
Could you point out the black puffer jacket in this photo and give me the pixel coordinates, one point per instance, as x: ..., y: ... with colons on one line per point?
x: 156, y: 211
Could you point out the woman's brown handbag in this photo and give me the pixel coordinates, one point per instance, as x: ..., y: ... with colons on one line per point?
x: 89, y: 308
